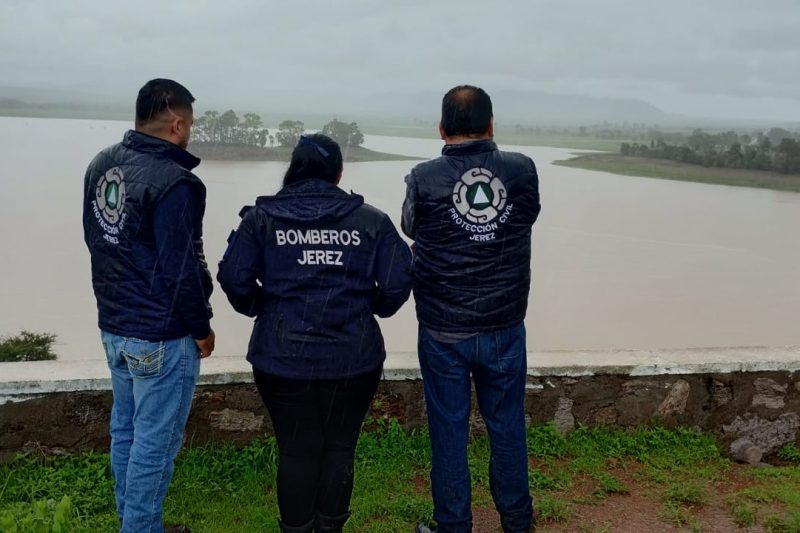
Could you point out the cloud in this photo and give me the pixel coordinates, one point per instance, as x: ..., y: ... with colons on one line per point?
x: 667, y: 53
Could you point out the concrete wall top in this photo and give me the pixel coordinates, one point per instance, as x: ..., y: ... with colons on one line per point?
x: 23, y: 380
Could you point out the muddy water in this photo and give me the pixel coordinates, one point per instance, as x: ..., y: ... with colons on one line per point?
x: 619, y: 262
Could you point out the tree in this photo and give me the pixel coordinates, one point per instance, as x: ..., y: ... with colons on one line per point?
x: 347, y: 135
x: 289, y: 132
x: 788, y: 155
x: 228, y: 123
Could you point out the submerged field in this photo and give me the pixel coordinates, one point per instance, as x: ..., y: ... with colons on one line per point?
x: 673, y: 170
x: 593, y: 480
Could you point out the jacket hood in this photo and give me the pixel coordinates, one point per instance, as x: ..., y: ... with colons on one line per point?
x: 311, y: 200
x: 142, y: 142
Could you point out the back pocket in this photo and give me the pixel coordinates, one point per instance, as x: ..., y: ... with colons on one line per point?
x: 144, y: 358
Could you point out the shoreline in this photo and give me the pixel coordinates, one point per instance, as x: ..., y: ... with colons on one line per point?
x: 644, y: 167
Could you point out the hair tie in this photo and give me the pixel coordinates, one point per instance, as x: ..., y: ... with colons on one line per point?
x: 306, y: 141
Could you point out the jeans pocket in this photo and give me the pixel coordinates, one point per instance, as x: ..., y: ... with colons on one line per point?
x: 510, y: 351
x: 144, y: 358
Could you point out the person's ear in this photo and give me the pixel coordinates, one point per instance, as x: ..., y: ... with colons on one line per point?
x: 490, y: 130
x: 442, y: 134
x: 174, y: 126
x: 339, y: 176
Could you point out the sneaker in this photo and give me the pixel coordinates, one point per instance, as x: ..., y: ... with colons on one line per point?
x: 424, y: 528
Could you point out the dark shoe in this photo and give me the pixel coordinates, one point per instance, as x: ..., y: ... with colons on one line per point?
x: 331, y: 524
x: 176, y: 528
x: 306, y: 528
x: 424, y: 528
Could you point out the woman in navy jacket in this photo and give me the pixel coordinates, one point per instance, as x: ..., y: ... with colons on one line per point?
x: 314, y: 265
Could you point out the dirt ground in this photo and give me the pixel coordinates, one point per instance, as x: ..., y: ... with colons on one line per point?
x: 641, y: 510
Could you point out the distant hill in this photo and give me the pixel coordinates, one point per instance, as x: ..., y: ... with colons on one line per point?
x: 528, y: 108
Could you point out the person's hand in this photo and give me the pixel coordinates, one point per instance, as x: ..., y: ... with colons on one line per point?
x: 206, y: 346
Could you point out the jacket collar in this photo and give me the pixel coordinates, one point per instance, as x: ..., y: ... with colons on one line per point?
x: 141, y: 142
x: 311, y: 186
x: 311, y: 200
x: 470, y: 147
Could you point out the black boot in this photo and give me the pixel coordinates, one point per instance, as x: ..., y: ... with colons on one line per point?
x: 306, y: 528
x: 331, y: 524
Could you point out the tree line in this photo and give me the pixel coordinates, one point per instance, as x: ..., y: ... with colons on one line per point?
x: 227, y: 128
x: 776, y: 150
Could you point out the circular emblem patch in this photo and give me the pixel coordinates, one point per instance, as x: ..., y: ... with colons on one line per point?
x: 479, y: 196
x: 110, y: 195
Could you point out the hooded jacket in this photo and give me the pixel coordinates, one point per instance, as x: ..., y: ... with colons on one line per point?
x: 470, y: 214
x: 314, y: 264
x: 151, y: 285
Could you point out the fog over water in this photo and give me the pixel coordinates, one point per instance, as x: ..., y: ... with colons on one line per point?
x: 619, y: 262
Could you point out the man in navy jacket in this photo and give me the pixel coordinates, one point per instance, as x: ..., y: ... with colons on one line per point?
x: 142, y: 218
x: 470, y: 214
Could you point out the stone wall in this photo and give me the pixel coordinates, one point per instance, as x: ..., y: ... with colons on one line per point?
x: 759, y: 408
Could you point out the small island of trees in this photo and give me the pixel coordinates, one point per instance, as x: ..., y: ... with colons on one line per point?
x: 227, y: 136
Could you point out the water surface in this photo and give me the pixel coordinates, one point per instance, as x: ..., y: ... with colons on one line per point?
x: 618, y: 262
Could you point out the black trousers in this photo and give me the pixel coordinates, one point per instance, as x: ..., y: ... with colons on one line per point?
x: 317, y: 423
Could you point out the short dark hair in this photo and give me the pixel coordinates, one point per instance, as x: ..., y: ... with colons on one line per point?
x: 315, y: 156
x: 158, y: 95
x: 466, y: 110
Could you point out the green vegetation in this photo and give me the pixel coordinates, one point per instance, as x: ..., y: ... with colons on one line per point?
x: 777, y: 150
x: 790, y: 453
x: 553, y: 138
x: 226, y: 137
x: 354, y: 154
x: 673, y: 170
x: 27, y: 346
x: 558, y: 140
x: 222, y: 488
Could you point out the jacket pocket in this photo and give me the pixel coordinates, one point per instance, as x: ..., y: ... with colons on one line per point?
x: 145, y: 358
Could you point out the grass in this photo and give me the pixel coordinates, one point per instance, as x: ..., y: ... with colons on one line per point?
x: 222, y: 488
x: 503, y: 136
x: 673, y: 170
x: 27, y: 346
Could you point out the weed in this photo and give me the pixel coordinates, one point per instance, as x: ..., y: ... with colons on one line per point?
x: 550, y: 509
x: 41, y: 516
x: 784, y: 524
x: 609, y: 484
x: 744, y: 514
x: 790, y: 453
x: 681, y: 516
x: 558, y: 480
x: 687, y: 493
x: 27, y: 346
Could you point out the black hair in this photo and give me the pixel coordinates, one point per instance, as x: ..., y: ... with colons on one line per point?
x: 315, y: 156
x: 158, y: 95
x: 466, y: 110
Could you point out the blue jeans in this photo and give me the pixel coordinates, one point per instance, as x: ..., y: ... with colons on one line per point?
x: 497, y: 362
x: 153, y: 384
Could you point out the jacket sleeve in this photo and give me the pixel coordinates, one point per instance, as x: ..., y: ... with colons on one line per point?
x: 408, y: 222
x: 242, y: 265
x: 177, y: 228
x: 535, y: 200
x: 393, y: 271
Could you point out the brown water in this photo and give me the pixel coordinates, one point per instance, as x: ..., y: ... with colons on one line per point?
x: 619, y: 262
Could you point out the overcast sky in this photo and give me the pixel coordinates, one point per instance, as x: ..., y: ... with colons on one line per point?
x: 704, y: 58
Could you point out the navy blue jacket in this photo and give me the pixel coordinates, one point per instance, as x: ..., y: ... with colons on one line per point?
x: 470, y: 214
x: 142, y: 221
x: 314, y: 264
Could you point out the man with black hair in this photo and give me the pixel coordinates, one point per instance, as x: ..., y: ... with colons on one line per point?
x: 470, y: 213
x: 142, y: 219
